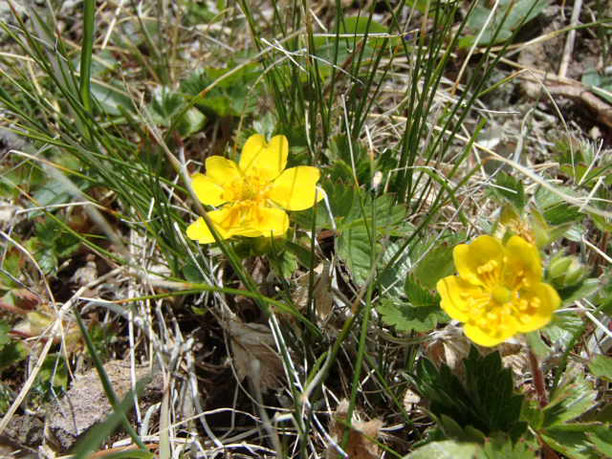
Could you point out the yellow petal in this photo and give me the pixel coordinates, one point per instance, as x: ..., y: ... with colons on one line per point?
x: 262, y: 159
x: 296, y: 188
x: 522, y: 261
x: 198, y: 231
x: 469, y: 257
x: 222, y: 219
x: 455, y: 296
x: 221, y: 170
x: 270, y: 221
x: 207, y: 191
x: 485, y: 337
x: 548, y: 300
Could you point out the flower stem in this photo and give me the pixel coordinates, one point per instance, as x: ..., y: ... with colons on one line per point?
x: 538, y: 379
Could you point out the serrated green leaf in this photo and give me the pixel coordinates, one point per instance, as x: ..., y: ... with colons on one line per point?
x: 601, y: 438
x: 191, y: 122
x: 418, y: 295
x: 508, y: 16
x: 355, y: 248
x: 53, y: 373
x: 51, y: 193
x: 500, y: 446
x: 111, y: 99
x: 447, y: 449
x: 562, y: 328
x: 485, y: 401
x: 581, y: 290
x: 531, y: 413
x: 571, y: 440
x: 4, y: 337
x: 600, y: 85
x: 438, y: 263
x: 509, y: 189
x: 568, y: 402
x: 601, y: 366
x: 12, y: 353
x: 391, y: 280
x: 166, y: 105
x: 405, y: 317
x: 233, y: 95
x: 284, y: 264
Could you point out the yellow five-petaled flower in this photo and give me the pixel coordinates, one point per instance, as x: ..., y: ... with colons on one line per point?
x: 498, y: 291
x: 252, y: 194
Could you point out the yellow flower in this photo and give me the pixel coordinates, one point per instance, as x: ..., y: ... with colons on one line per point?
x: 498, y: 292
x: 252, y: 194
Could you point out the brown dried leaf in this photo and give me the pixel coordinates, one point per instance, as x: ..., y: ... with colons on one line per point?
x: 450, y: 346
x: 255, y: 355
x: 361, y: 443
x: 322, y: 291
x: 25, y: 299
x: 39, y: 323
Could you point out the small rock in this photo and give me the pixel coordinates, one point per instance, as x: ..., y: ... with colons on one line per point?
x: 86, y: 404
x: 22, y: 436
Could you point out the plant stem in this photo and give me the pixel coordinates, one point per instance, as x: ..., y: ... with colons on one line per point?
x: 538, y: 379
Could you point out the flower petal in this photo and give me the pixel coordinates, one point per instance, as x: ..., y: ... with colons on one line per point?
x: 469, y: 257
x: 221, y: 170
x: 265, y: 160
x: 222, y: 219
x: 270, y: 221
x: 207, y: 191
x: 522, y: 262
x: 486, y: 337
x: 296, y: 188
x: 456, y: 295
x: 548, y: 301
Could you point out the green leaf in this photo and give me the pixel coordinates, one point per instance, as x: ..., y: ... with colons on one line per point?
x: 531, y: 413
x: 568, y: 402
x: 191, y: 122
x: 447, y: 449
x: 599, y: 85
x: 485, y: 401
x: 167, y: 104
x: 53, y: 374
x: 355, y: 248
x: 418, y: 295
x: 232, y: 96
x: 601, y: 438
x: 4, y: 336
x: 580, y: 291
x: 391, y: 281
x: 438, y: 263
x: 51, y: 193
x: 509, y: 189
x: 12, y: 353
x: 500, y: 446
x: 361, y: 25
x: 562, y: 329
x: 284, y: 263
x: 572, y: 440
x: 111, y: 99
x: 405, y: 317
x: 508, y: 16
x: 601, y: 366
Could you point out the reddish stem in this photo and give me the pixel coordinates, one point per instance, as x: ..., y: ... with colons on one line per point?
x: 538, y: 379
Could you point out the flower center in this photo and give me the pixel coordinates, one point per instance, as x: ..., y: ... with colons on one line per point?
x: 247, y: 189
x: 501, y: 294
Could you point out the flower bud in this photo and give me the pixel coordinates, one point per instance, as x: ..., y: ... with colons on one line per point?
x: 566, y: 271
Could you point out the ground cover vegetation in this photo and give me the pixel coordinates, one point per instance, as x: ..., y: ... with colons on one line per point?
x: 305, y: 229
